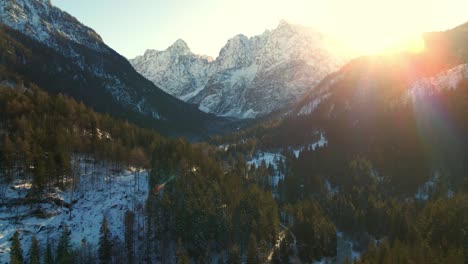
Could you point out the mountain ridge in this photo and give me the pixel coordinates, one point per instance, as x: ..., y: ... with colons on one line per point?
x: 55, y: 51
x: 237, y: 83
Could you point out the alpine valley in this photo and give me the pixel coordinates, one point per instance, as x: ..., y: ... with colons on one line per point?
x: 286, y: 148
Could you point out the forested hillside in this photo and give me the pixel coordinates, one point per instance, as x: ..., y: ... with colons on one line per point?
x: 210, y: 207
x: 41, y: 133
x: 104, y: 81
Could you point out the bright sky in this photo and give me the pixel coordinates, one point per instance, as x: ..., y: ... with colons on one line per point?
x: 132, y: 26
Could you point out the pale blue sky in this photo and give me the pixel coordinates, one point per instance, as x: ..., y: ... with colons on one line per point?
x: 132, y: 26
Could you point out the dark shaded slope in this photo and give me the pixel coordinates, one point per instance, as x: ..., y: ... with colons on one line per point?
x: 90, y: 77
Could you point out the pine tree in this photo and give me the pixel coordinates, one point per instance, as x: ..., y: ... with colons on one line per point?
x: 465, y: 232
x: 128, y: 223
x: 234, y: 257
x: 182, y: 256
x: 8, y: 157
x: 104, y: 250
x: 63, y: 247
x: 48, y: 257
x: 39, y: 175
x: 252, y: 251
x: 34, y: 255
x: 284, y: 253
x: 275, y: 259
x: 16, y: 255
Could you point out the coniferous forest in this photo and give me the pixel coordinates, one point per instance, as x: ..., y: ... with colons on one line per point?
x: 100, y: 165
x: 218, y: 204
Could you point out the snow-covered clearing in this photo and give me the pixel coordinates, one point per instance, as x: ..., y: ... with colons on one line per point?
x: 270, y: 159
x: 345, y: 249
x: 274, y: 158
x: 101, y: 190
x: 320, y: 143
x: 427, y: 189
x: 331, y: 190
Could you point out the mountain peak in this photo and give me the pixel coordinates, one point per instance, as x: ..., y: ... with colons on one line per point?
x: 150, y: 52
x: 252, y: 76
x: 180, y: 46
x: 47, y: 2
x: 239, y: 37
x: 283, y: 23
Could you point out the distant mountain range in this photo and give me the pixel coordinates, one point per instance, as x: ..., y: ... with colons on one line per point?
x: 252, y: 76
x: 48, y: 47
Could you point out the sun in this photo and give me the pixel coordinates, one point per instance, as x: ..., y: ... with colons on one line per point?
x: 386, y: 40
x: 371, y: 27
x: 412, y: 44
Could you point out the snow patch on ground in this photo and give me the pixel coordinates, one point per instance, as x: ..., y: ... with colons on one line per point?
x: 269, y: 158
x: 192, y: 94
x: 424, y: 191
x: 320, y: 143
x: 345, y: 249
x: 101, y: 190
x: 311, y: 106
x: 331, y: 190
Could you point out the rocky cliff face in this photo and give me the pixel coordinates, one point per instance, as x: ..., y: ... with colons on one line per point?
x: 251, y: 76
x: 42, y: 21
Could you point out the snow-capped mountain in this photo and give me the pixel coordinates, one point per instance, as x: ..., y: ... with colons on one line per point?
x: 176, y: 67
x: 55, y: 51
x: 42, y: 21
x: 251, y: 76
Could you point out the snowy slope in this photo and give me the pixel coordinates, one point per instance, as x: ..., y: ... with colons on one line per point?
x: 49, y: 25
x: 448, y: 79
x: 320, y: 143
x: 42, y: 21
x: 415, y: 91
x: 176, y: 70
x: 251, y: 76
x: 101, y: 191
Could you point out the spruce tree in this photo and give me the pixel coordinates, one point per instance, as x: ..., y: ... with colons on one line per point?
x: 34, y: 255
x: 48, y: 257
x: 129, y: 237
x: 16, y: 255
x: 182, y: 256
x: 234, y: 257
x: 63, y: 247
x: 252, y: 251
x: 104, y: 250
x: 283, y: 251
x: 275, y: 258
x: 465, y: 232
x: 8, y: 157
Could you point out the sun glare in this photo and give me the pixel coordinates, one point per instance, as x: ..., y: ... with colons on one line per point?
x: 412, y: 45
x: 386, y: 41
x: 371, y: 27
